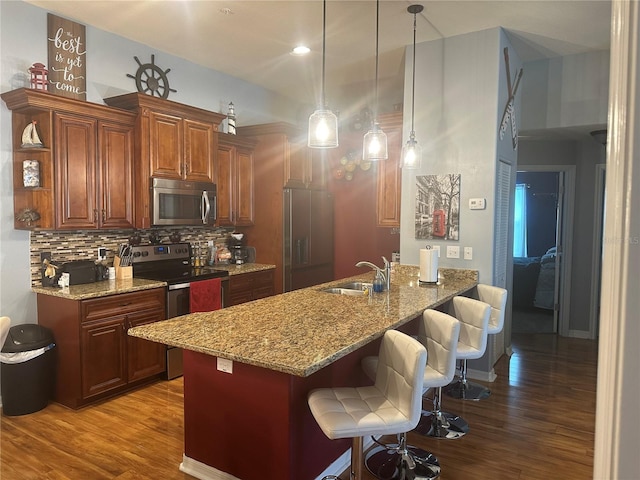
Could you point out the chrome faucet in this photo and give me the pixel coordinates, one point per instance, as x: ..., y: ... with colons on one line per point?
x: 386, y: 273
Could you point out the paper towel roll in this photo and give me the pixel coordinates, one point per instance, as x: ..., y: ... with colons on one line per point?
x: 428, y: 265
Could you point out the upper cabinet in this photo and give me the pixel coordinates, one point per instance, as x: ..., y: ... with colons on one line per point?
x: 84, y: 161
x: 389, y: 189
x: 235, y: 180
x: 174, y: 141
x: 285, y: 146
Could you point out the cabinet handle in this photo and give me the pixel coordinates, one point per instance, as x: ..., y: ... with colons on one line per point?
x: 125, y: 304
x: 186, y: 168
x: 104, y: 215
x: 95, y: 215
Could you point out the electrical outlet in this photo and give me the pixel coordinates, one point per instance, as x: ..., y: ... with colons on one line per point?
x: 225, y: 365
x: 468, y: 253
x: 453, y: 252
x: 102, y: 253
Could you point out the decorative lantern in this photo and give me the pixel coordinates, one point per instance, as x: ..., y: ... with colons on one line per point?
x: 39, y: 79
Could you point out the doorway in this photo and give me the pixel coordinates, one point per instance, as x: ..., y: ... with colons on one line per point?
x: 542, y: 230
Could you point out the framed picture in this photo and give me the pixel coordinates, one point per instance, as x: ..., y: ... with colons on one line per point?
x: 438, y: 207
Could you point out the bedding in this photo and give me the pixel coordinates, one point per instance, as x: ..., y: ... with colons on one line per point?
x: 534, y: 280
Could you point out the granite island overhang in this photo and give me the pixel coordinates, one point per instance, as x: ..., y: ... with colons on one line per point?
x: 282, y: 347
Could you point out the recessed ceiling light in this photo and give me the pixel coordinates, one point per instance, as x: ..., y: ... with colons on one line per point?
x: 300, y: 50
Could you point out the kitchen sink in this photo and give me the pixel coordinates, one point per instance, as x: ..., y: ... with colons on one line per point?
x: 351, y: 288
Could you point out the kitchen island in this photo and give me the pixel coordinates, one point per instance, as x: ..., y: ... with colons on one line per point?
x: 248, y: 369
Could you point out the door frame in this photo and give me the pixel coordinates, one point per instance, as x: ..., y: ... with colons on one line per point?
x: 568, y: 202
x: 596, y: 260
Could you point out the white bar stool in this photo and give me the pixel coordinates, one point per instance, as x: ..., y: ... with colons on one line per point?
x: 496, y: 298
x: 391, y: 406
x: 439, y: 333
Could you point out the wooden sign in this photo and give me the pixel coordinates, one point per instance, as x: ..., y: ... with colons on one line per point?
x: 67, y: 49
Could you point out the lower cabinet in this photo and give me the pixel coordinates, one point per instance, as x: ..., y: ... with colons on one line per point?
x: 96, y: 357
x: 246, y: 287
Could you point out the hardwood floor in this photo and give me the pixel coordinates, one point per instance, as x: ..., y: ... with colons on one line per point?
x: 537, y: 423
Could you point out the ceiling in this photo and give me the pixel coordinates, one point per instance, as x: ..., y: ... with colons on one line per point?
x: 252, y: 39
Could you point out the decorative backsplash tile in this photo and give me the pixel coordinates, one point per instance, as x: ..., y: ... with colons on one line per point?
x: 83, y: 244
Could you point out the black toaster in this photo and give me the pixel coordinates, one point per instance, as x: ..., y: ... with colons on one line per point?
x: 81, y: 271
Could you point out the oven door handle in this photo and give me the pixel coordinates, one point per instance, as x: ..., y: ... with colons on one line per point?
x: 179, y: 286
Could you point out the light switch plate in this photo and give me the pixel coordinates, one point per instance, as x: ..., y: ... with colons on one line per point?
x: 477, y: 203
x: 225, y: 365
x: 453, y: 252
x: 468, y: 253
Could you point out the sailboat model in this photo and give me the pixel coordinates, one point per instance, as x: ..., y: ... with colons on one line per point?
x: 30, y: 138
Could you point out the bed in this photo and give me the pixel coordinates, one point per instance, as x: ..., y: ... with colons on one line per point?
x: 534, y: 280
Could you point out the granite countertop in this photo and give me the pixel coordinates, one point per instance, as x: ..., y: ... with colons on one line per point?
x: 100, y: 289
x: 243, y: 268
x: 302, y: 331
x: 113, y: 287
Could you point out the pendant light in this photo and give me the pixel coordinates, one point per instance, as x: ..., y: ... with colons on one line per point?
x: 323, y: 123
x: 374, y: 147
x: 411, y: 152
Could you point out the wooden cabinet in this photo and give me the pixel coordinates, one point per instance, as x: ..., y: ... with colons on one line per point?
x: 179, y: 148
x: 94, y: 173
x: 173, y: 141
x: 96, y: 357
x: 234, y: 180
x: 250, y: 286
x: 389, y: 185
x: 86, y: 163
x: 282, y: 160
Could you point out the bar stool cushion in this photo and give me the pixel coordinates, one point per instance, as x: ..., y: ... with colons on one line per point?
x: 474, y: 322
x: 391, y: 405
x: 496, y: 297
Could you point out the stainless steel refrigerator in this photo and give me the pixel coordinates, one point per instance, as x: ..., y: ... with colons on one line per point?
x: 308, y: 238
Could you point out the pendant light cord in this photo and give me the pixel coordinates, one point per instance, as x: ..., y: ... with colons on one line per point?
x: 375, y: 112
x: 324, y: 30
x: 413, y: 85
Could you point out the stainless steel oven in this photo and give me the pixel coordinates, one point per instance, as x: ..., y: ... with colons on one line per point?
x: 171, y: 263
x: 179, y: 202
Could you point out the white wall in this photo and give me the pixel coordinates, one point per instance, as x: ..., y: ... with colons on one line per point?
x: 566, y: 91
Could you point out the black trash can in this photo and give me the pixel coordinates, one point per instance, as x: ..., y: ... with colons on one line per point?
x: 27, y: 369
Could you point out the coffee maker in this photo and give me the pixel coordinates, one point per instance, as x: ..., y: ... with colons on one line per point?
x: 237, y: 248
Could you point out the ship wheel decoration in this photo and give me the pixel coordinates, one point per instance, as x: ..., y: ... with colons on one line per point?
x: 151, y: 79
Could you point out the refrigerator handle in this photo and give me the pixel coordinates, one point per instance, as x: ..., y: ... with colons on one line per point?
x: 298, y: 260
x: 305, y: 258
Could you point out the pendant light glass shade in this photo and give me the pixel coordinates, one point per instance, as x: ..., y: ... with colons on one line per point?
x: 323, y: 129
x: 412, y: 152
x: 323, y: 123
x: 374, y: 146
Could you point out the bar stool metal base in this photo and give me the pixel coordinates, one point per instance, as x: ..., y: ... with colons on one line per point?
x: 386, y: 463
x: 442, y: 425
x: 467, y: 390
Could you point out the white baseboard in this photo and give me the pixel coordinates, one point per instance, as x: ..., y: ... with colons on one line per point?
x: 579, y: 334
x: 481, y: 375
x: 203, y: 471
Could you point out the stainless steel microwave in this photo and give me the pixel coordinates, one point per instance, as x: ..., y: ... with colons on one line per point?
x: 180, y: 202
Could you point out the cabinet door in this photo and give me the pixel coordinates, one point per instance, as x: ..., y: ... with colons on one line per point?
x: 198, y: 153
x: 225, y: 189
x: 244, y: 187
x: 389, y: 186
x: 103, y: 358
x: 116, y: 173
x: 166, y: 145
x: 318, y: 161
x: 296, y: 165
x: 144, y: 358
x: 76, y: 189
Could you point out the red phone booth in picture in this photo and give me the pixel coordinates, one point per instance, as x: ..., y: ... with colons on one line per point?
x: 39, y: 76
x: 438, y: 223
